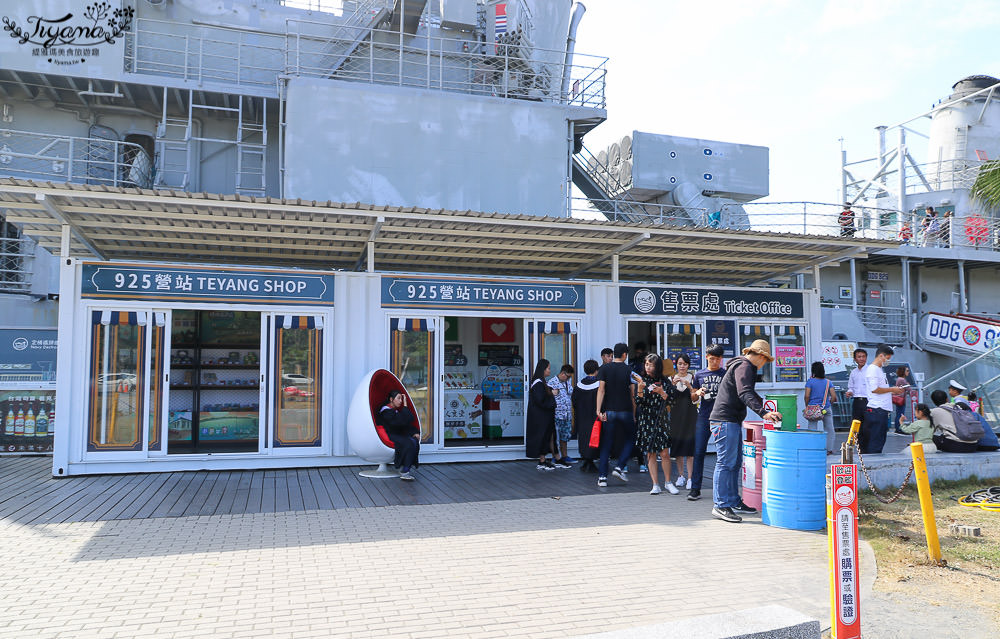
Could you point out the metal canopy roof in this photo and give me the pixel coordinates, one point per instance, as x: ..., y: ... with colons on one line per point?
x: 166, y: 226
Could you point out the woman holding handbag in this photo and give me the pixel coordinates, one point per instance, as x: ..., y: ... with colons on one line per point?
x: 819, y: 397
x: 653, y: 435
x: 899, y: 401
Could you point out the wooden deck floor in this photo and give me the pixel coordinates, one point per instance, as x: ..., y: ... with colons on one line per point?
x: 29, y: 494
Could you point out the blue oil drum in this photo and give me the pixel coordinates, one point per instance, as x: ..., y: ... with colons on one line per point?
x: 794, y: 484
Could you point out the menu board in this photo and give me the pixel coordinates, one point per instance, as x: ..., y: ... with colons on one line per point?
x: 500, y: 355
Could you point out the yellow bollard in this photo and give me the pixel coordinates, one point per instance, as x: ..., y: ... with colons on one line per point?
x: 852, y: 437
x: 926, y: 504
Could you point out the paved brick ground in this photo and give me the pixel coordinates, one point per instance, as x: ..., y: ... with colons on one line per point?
x: 533, y: 567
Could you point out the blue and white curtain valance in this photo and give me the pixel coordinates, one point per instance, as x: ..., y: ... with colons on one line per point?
x: 790, y: 330
x: 133, y: 318
x: 757, y: 331
x: 412, y: 324
x: 298, y: 321
x: 554, y: 328
x: 685, y: 329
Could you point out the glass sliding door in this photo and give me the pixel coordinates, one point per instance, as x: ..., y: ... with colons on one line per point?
x: 157, y: 387
x: 679, y: 337
x: 411, y: 358
x: 116, y: 384
x: 297, y: 381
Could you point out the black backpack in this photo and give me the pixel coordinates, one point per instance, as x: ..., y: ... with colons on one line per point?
x: 967, y: 426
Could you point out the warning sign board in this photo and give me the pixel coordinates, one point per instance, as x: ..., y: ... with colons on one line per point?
x: 770, y: 406
x: 842, y: 527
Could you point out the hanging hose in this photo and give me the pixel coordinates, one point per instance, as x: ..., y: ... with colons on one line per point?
x: 984, y: 499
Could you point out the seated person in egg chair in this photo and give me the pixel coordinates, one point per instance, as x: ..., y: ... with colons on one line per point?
x: 397, y: 420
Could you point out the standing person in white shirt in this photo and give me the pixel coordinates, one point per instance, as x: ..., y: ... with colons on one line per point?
x: 856, y: 388
x: 871, y: 438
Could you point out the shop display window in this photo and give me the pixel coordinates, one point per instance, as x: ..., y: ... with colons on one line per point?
x: 116, y: 381
x: 157, y: 354
x: 298, y: 369
x: 28, y: 421
x: 412, y: 361
x: 682, y: 338
x: 214, y: 381
x: 788, y: 345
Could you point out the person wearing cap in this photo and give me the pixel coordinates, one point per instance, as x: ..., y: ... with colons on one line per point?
x: 736, y: 394
x: 875, y: 425
x: 957, y: 392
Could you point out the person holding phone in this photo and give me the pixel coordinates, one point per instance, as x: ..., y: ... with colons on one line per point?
x: 397, y: 419
x: 683, y: 417
x: 652, y: 397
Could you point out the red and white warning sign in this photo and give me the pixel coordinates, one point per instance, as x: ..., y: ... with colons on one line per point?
x: 770, y: 406
x: 843, y: 532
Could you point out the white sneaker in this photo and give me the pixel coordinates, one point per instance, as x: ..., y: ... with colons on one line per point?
x: 656, y: 490
x: 671, y: 488
x: 679, y: 481
x: 688, y: 484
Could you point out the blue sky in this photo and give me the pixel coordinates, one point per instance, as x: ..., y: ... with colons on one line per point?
x: 792, y: 76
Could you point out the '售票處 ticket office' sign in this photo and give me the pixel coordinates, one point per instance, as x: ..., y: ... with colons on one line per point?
x: 481, y: 295
x: 102, y: 280
x: 675, y: 300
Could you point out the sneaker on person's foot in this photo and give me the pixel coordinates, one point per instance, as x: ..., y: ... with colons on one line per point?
x: 620, y: 474
x: 561, y: 464
x: 656, y: 490
x: 743, y: 509
x: 602, y: 482
x: 688, y: 484
x: 671, y: 488
x: 726, y: 514
x: 406, y: 476
x: 694, y: 495
x: 568, y: 460
x: 642, y: 468
x: 680, y: 481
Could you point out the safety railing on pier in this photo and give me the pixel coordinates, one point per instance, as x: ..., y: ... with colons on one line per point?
x: 256, y: 58
x: 37, y: 156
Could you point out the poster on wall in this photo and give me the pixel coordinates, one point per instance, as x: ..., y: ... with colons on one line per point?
x: 27, y: 355
x: 790, y: 362
x: 722, y: 332
x: 691, y: 351
x: 28, y: 421
x: 497, y: 329
x: 837, y: 356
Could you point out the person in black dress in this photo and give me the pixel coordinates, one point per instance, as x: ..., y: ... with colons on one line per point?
x: 652, y: 436
x: 540, y: 429
x: 683, y: 416
x: 585, y: 414
x: 397, y: 419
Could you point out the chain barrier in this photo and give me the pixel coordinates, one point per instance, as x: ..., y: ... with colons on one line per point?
x: 871, y: 484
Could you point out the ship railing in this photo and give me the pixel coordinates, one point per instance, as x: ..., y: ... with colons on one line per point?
x: 37, y: 156
x: 887, y: 322
x: 16, y: 252
x: 350, y: 50
x: 378, y: 56
x: 637, y: 212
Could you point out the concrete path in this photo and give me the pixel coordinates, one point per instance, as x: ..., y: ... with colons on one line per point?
x: 516, y: 568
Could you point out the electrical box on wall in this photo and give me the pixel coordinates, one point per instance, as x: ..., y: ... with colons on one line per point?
x: 459, y: 14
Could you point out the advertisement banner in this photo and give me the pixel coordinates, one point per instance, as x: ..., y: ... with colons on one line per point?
x: 103, y: 280
x: 672, y: 300
x: 969, y: 334
x: 722, y: 332
x: 28, y: 355
x: 470, y: 294
x: 28, y: 421
x: 84, y: 38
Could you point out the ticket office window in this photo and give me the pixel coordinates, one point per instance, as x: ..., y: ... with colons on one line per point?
x: 788, y: 347
x: 298, y: 391
x: 412, y: 344
x: 116, y: 380
x: 677, y: 338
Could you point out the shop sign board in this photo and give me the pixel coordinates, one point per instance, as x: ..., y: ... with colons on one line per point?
x: 103, y: 280
x: 28, y: 355
x: 481, y: 295
x: 722, y: 332
x: 842, y: 505
x: 962, y: 333
x: 675, y: 300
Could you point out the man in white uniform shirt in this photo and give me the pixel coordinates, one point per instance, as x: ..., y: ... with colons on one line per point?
x: 871, y: 438
x: 856, y: 388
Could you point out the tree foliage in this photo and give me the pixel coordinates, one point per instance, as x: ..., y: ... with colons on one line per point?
x: 986, y: 189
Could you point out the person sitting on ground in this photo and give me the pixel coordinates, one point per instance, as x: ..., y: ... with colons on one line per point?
x: 922, y: 428
x: 397, y: 420
x: 989, y: 441
x: 946, y: 436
